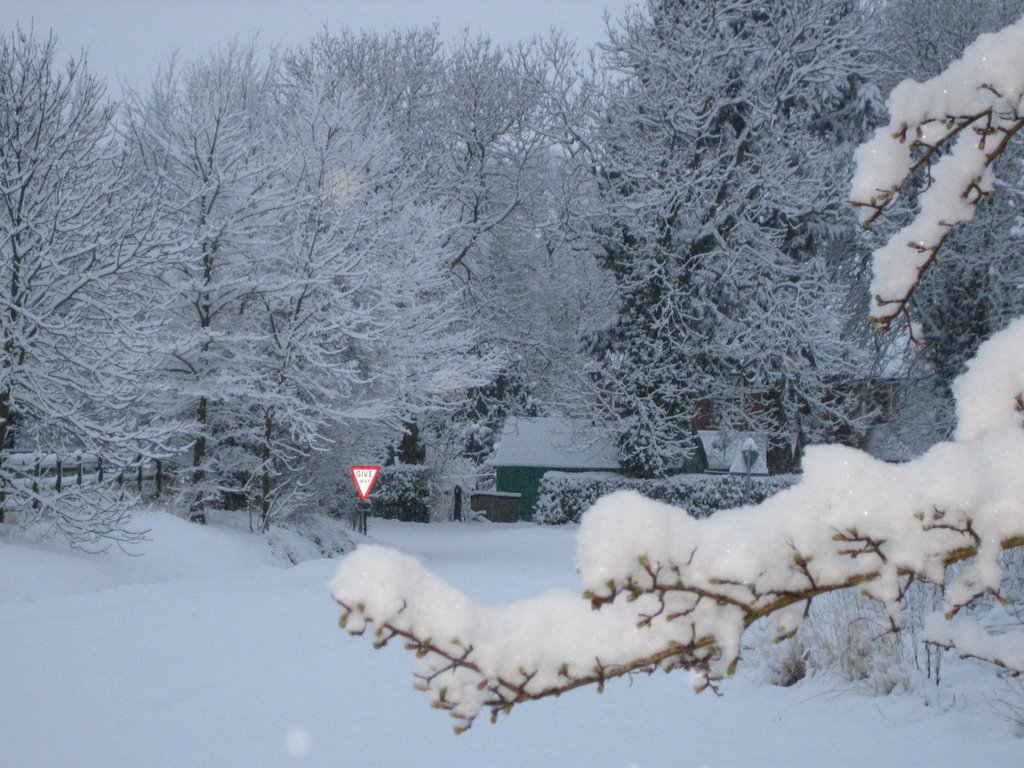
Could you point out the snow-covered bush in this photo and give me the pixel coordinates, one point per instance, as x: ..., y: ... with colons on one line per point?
x: 846, y: 636
x: 403, y: 492
x: 850, y: 636
x: 1009, y: 703
x: 784, y: 663
x: 310, y: 535
x: 662, y: 590
x: 565, y: 496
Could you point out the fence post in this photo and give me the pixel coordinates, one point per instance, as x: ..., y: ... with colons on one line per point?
x: 99, y: 469
x: 138, y: 459
x: 35, y: 486
x: 159, y: 477
x: 59, y: 485
x: 78, y: 469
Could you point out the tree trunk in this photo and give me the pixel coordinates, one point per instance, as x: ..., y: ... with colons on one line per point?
x: 197, y: 512
x: 5, y: 415
x: 265, y: 484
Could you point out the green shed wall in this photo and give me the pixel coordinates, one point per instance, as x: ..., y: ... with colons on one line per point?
x: 524, y: 481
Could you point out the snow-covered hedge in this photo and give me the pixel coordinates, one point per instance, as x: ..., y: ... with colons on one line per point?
x: 565, y: 496
x: 403, y: 492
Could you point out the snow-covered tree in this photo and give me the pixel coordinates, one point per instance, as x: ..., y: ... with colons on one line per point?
x: 203, y: 136
x: 310, y: 321
x: 916, y: 42
x: 76, y: 232
x: 472, y: 126
x: 720, y: 154
x: 662, y: 590
x: 307, y: 283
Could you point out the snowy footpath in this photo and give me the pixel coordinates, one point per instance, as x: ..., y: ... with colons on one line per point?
x: 205, y: 651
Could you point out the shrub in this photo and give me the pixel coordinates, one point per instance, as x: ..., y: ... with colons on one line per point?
x: 403, y: 492
x: 565, y: 496
x: 846, y: 636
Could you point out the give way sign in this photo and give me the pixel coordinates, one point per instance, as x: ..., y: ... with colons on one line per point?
x: 364, y: 478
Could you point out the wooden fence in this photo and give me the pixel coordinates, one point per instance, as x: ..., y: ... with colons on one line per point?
x: 43, y: 469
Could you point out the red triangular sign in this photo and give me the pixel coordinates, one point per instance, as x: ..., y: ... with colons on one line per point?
x: 364, y: 478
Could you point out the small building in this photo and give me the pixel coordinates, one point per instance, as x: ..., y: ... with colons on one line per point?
x: 496, y: 506
x: 724, y: 451
x: 531, y: 446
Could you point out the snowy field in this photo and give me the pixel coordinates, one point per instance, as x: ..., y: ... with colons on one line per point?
x: 205, y: 651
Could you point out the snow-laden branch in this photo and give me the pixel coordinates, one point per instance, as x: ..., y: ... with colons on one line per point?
x: 954, y: 126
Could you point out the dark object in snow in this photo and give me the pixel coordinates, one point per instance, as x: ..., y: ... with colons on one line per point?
x: 496, y: 507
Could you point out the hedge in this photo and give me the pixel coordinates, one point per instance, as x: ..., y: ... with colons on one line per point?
x: 565, y: 496
x: 403, y: 492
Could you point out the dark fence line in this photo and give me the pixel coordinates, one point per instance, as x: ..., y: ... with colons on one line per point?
x: 84, y: 469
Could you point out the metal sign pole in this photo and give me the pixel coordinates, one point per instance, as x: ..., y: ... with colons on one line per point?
x: 364, y: 476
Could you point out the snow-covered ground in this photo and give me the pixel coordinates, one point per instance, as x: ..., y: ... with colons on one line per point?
x: 205, y: 651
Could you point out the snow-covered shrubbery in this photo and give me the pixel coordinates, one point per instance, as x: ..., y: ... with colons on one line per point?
x: 310, y: 535
x: 844, y: 635
x: 565, y: 496
x: 404, y: 492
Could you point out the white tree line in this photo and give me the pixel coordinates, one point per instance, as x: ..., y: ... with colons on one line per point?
x: 258, y: 262
x: 190, y: 274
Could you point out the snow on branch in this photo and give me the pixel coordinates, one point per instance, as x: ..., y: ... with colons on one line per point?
x: 971, y: 640
x: 661, y: 590
x: 953, y: 126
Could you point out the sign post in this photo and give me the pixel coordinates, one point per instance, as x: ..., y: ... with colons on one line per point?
x: 364, y: 477
x: 749, y: 453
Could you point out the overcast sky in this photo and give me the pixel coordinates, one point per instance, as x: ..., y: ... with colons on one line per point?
x: 129, y: 39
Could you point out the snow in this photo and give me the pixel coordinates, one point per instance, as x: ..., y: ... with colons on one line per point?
x: 175, y: 549
x: 554, y: 442
x: 204, y: 652
x: 986, y: 395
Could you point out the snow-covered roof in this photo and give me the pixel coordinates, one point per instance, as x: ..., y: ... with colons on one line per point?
x: 555, y: 442
x: 723, y: 450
